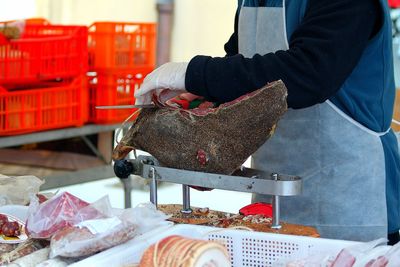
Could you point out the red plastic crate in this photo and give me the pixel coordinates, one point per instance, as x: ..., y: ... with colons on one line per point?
x: 394, y: 3
x: 53, y: 105
x: 44, y: 52
x: 31, y: 21
x: 112, y: 88
x: 120, y: 45
x: 37, y: 21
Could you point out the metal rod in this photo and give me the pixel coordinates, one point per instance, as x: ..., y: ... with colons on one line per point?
x: 153, y: 186
x: 275, y: 207
x: 276, y: 213
x: 45, y: 136
x: 116, y: 107
x: 126, y: 106
x: 186, y: 199
x: 127, y: 183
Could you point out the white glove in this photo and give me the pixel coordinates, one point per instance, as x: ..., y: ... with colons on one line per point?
x: 169, y: 76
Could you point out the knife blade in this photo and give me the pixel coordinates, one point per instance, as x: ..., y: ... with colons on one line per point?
x: 126, y: 106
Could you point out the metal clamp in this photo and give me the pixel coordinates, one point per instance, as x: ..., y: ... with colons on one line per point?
x: 243, y: 180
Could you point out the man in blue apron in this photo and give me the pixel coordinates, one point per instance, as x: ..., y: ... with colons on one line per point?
x: 335, y: 58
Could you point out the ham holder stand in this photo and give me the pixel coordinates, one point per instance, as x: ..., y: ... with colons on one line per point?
x: 243, y: 180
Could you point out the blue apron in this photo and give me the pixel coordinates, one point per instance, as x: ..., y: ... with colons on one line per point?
x: 340, y: 152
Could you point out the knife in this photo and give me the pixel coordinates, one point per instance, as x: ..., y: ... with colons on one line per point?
x: 126, y: 106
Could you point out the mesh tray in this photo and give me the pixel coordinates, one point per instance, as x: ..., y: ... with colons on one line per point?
x: 245, y: 248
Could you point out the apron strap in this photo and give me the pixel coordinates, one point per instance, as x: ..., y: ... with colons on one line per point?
x: 356, y: 123
x: 284, y: 23
x: 267, y: 3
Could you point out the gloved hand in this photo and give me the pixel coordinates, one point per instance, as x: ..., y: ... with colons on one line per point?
x: 166, y: 82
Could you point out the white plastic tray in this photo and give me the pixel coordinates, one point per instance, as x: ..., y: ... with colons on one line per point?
x: 246, y: 248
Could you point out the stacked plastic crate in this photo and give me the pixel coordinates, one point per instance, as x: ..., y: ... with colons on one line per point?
x: 120, y: 56
x: 42, y: 77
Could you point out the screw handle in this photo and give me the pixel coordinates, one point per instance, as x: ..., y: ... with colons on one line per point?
x: 123, y: 168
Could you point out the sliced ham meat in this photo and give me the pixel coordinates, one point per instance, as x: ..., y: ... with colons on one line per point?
x: 185, y: 252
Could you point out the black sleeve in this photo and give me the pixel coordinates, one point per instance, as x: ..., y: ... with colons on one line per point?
x: 322, y: 53
x: 231, y: 47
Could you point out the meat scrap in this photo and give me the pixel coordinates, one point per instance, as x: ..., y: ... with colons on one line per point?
x: 259, y: 223
x: 216, y: 140
x: 74, y: 241
x: 32, y: 259
x: 22, y: 250
x: 11, y: 229
x: 4, y: 248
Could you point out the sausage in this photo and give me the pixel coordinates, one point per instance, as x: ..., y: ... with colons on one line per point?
x: 11, y: 229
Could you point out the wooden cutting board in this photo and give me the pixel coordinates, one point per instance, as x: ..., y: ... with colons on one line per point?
x: 204, y: 216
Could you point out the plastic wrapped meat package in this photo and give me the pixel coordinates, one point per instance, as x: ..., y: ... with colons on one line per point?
x: 364, y: 254
x: 63, y: 210
x: 371, y: 254
x: 91, y: 236
x: 76, y: 228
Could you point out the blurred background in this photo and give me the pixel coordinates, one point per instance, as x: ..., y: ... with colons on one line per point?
x: 199, y: 27
x: 77, y: 159
x: 83, y: 53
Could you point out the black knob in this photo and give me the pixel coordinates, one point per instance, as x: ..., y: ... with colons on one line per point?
x: 123, y: 168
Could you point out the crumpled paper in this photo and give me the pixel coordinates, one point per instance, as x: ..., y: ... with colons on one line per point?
x: 17, y: 190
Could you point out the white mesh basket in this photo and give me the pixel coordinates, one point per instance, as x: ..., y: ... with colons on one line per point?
x: 257, y: 249
x: 246, y: 248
